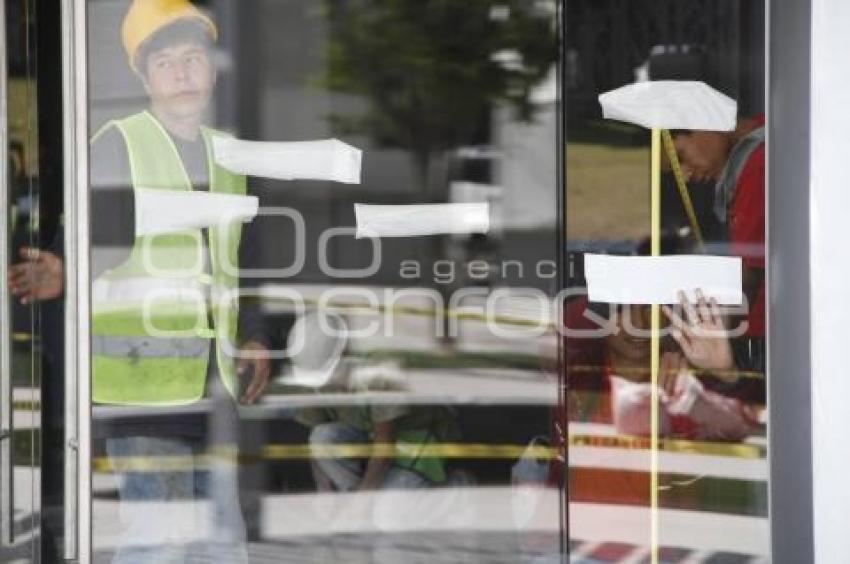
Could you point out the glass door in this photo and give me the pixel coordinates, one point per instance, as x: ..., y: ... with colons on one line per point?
x: 32, y: 436
x: 20, y: 417
x: 333, y: 263
x: 34, y: 433
x: 668, y: 428
x: 325, y: 265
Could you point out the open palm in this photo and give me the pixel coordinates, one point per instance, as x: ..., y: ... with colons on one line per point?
x: 702, y: 333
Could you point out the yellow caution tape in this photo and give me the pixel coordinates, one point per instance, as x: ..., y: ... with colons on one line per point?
x: 683, y: 446
x: 722, y: 374
x: 229, y: 455
x: 431, y: 450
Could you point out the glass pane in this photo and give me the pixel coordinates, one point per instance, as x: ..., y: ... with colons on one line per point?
x: 325, y: 269
x: 35, y: 283
x: 35, y: 286
x: 709, y: 479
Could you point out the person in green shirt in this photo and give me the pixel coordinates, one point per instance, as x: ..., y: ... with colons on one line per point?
x: 389, y: 441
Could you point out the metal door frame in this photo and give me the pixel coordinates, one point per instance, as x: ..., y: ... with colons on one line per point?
x: 8, y: 534
x: 790, y: 337
x: 77, y: 287
x: 809, y: 417
x: 790, y: 34
x: 6, y: 418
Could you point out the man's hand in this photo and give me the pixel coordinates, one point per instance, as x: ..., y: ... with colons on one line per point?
x: 702, y: 335
x: 40, y: 277
x: 257, y: 366
x: 383, y: 436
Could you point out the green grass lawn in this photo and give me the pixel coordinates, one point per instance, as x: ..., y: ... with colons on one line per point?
x: 607, y: 192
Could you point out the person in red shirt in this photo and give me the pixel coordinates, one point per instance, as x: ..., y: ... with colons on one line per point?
x: 734, y: 161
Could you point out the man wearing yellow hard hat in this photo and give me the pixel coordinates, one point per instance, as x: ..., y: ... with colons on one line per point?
x: 160, y: 323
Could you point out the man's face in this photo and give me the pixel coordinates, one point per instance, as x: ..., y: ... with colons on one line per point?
x: 179, y: 80
x: 702, y: 154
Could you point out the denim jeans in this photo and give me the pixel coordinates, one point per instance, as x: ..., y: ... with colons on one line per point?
x: 175, y: 514
x: 345, y: 474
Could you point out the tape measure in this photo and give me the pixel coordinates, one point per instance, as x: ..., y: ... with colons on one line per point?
x: 670, y: 148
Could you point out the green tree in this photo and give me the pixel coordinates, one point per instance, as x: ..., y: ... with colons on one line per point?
x: 431, y: 70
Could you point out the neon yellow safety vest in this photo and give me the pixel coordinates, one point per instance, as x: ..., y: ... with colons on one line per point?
x: 151, y: 316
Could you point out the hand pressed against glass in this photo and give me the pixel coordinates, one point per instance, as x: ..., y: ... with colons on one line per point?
x: 702, y: 334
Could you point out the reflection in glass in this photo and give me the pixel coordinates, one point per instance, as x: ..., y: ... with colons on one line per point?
x: 711, y: 470
x: 343, y: 396
x: 32, y: 403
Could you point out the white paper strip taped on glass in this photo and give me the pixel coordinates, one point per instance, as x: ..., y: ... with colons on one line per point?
x: 167, y: 211
x: 671, y: 104
x: 421, y: 219
x: 657, y: 280
x: 327, y: 159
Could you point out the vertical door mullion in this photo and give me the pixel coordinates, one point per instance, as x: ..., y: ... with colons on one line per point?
x: 77, y: 358
x: 6, y: 419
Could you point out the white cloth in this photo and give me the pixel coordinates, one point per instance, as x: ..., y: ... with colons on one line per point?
x: 169, y: 211
x: 671, y: 104
x: 327, y: 159
x: 421, y: 219
x: 706, y: 414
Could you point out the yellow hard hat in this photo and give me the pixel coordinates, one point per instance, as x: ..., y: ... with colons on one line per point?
x: 146, y: 17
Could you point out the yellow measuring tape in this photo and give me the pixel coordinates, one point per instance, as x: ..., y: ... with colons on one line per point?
x: 681, y: 184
